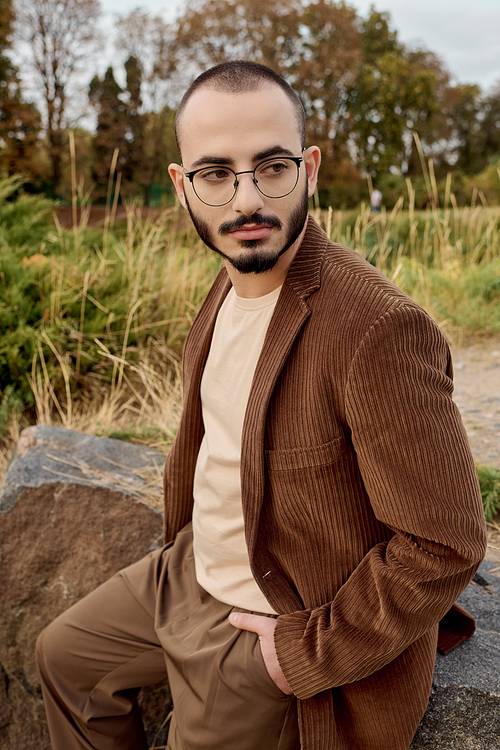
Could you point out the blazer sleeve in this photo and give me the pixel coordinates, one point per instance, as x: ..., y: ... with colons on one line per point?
x: 418, y: 472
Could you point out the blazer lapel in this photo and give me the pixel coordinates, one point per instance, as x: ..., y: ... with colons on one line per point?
x: 289, y: 316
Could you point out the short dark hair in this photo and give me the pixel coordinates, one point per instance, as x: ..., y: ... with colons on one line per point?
x: 235, y: 77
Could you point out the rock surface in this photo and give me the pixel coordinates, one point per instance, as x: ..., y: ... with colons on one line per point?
x: 464, y: 709
x: 74, y: 509
x: 60, y: 537
x: 51, y: 454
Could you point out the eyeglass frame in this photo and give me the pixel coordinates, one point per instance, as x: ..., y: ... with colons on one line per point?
x: 297, y: 160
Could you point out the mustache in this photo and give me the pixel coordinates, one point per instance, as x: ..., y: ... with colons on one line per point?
x: 231, y: 226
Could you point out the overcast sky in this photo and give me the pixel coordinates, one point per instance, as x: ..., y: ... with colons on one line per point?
x: 464, y: 33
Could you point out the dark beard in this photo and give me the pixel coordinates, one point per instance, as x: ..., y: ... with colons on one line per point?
x: 257, y: 260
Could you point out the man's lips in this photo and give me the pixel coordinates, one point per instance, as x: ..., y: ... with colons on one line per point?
x: 252, y: 232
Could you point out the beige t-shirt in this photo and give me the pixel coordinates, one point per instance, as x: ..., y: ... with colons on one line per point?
x: 221, y: 555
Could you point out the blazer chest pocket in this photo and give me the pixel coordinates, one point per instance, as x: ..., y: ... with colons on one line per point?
x: 305, y: 458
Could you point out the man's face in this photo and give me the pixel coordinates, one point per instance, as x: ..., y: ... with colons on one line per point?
x: 240, y: 130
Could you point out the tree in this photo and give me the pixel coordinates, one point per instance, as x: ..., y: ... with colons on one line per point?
x: 149, y: 134
x: 378, y: 99
x: 19, y: 120
x: 61, y: 35
x: 145, y: 140
x: 463, y: 112
x: 315, y: 47
x: 428, y: 102
x: 490, y: 123
x: 378, y: 38
x: 214, y: 31
x: 148, y: 39
x: 398, y: 92
x: 150, y: 66
x: 106, y: 97
x: 380, y: 106
x: 329, y: 58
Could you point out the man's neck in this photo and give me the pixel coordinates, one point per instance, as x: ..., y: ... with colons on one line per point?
x: 252, y: 285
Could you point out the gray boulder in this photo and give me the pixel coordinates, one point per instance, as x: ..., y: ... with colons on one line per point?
x: 74, y: 509
x: 47, y: 455
x: 464, y: 708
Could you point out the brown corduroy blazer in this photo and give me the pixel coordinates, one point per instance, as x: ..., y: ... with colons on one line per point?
x: 363, y: 516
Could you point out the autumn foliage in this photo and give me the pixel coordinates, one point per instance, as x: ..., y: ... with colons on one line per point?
x: 375, y: 106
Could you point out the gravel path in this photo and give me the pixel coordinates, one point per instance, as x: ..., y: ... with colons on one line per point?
x: 477, y: 395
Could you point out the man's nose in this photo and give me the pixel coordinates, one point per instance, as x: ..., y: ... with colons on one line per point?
x: 248, y: 198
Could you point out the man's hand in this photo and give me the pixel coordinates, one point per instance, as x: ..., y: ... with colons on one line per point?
x: 264, y: 627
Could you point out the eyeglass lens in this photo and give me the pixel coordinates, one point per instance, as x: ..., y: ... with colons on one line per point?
x: 275, y: 178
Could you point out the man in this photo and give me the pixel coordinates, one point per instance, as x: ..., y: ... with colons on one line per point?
x: 376, y: 201
x: 321, y: 508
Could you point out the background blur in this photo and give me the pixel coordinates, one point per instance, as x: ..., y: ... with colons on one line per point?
x: 383, y: 86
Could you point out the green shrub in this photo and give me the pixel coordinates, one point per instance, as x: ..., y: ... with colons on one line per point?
x: 10, y: 409
x: 24, y: 221
x: 489, y: 482
x: 62, y: 290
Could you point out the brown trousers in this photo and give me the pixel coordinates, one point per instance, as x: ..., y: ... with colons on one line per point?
x: 150, y: 622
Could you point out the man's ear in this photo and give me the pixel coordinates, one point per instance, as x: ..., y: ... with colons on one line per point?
x: 312, y: 160
x: 177, y: 174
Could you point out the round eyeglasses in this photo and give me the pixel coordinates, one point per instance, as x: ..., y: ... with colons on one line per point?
x: 274, y: 178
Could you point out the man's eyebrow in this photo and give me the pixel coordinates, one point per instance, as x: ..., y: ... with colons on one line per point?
x: 211, y: 160
x: 226, y: 160
x: 273, y: 151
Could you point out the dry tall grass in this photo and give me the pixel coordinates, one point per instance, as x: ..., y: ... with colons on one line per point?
x: 123, y: 379
x: 446, y: 258
x: 134, y: 391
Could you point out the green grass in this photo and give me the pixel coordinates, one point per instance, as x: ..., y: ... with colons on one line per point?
x: 489, y: 482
